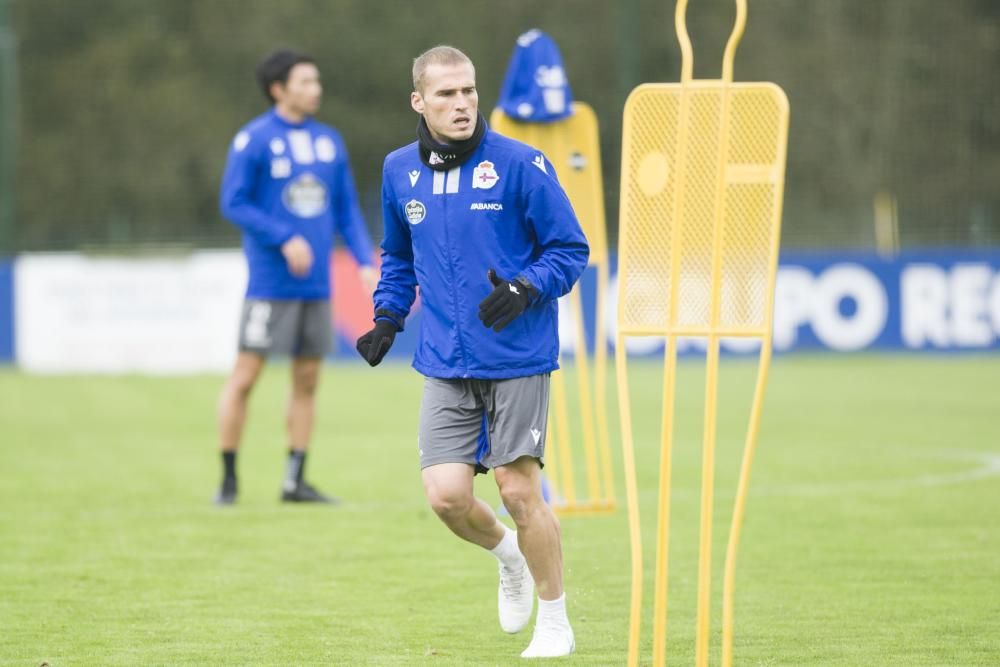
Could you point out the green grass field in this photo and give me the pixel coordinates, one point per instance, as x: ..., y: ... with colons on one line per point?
x: 872, y: 533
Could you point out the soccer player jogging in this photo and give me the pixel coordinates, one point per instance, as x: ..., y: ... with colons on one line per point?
x: 481, y: 224
x: 288, y: 186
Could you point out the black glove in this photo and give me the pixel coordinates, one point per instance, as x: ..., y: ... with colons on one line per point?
x: 506, y: 301
x: 374, y: 344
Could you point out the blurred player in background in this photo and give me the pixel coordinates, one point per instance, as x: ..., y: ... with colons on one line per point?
x: 288, y: 186
x: 481, y: 224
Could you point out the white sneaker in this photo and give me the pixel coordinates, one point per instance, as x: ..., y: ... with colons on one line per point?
x: 515, y: 598
x: 551, y: 640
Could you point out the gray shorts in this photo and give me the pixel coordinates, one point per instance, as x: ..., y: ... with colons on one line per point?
x: 485, y: 423
x: 295, y: 328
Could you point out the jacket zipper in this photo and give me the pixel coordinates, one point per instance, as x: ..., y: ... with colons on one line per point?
x: 454, y: 283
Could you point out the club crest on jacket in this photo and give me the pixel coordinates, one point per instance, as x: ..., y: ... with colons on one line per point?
x: 484, y: 176
x: 415, y: 211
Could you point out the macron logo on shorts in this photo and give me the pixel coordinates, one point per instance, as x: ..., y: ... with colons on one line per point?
x: 536, y: 434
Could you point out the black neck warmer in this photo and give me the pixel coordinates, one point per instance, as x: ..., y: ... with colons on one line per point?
x: 442, y: 157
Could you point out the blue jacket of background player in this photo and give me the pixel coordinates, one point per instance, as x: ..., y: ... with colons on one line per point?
x: 282, y: 179
x: 503, y: 209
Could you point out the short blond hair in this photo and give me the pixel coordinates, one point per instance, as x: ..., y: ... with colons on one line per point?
x: 439, y: 55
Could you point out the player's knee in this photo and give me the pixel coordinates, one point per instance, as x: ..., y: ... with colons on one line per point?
x: 306, y: 388
x: 305, y: 382
x: 241, y: 384
x: 520, y: 499
x: 449, y: 503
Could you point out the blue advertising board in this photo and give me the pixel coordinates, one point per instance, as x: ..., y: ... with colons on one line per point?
x: 932, y: 301
x: 6, y: 311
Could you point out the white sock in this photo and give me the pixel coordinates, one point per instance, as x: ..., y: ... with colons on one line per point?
x: 552, y: 612
x: 507, y: 552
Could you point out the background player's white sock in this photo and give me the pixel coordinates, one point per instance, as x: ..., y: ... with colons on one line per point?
x: 507, y: 552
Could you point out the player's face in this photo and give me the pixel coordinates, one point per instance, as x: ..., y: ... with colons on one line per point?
x: 449, y: 101
x: 302, y: 92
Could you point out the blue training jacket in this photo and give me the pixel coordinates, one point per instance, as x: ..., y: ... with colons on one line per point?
x: 502, y: 209
x: 283, y: 179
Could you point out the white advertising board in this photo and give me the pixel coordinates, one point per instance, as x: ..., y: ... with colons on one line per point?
x: 75, y: 313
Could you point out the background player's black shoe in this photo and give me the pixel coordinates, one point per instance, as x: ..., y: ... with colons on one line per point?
x: 227, y: 494
x: 303, y: 492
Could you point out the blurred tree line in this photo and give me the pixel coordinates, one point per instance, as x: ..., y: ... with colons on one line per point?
x: 125, y: 108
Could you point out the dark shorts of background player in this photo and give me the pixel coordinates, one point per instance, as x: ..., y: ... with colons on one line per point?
x: 299, y: 328
x: 484, y: 423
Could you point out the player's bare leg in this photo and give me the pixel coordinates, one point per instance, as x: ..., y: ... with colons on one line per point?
x: 300, y: 419
x: 449, y: 490
x: 520, y: 486
x: 537, y: 527
x: 232, y: 415
x: 448, y: 487
x: 301, y: 415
